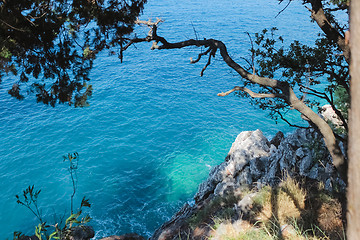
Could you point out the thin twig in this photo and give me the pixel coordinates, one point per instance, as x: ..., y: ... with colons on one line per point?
x: 252, y: 53
x: 283, y: 9
x: 207, y: 64
x: 200, y: 55
x: 289, y: 123
x: 17, y: 29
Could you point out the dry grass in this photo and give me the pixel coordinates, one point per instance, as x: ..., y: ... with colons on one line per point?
x: 288, y: 211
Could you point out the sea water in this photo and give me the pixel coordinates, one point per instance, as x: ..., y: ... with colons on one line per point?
x: 154, y: 127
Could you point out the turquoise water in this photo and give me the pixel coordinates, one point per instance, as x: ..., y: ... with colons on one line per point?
x: 154, y: 127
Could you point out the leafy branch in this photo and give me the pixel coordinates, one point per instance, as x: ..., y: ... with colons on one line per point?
x: 30, y: 197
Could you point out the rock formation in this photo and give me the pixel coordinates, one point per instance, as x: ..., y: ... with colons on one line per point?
x: 255, y: 161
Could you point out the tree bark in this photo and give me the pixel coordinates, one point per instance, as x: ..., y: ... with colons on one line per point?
x: 318, y: 15
x: 353, y: 196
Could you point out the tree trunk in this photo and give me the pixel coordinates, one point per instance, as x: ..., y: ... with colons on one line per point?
x: 326, y: 131
x: 353, y: 197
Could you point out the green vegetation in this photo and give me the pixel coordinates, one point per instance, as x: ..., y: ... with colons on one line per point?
x: 51, y: 45
x: 252, y: 234
x: 219, y: 207
x: 45, y: 231
x: 262, y: 196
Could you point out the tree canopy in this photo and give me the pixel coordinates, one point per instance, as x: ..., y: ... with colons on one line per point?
x: 50, y: 45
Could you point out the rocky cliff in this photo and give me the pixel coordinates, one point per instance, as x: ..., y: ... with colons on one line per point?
x: 252, y: 162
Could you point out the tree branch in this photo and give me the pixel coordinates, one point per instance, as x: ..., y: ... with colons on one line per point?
x: 283, y: 9
x: 212, y: 54
x: 248, y: 91
x: 289, y: 123
x: 200, y: 55
x: 10, y: 26
x: 330, y: 101
x: 318, y: 15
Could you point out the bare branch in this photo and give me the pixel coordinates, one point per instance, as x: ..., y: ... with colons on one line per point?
x: 248, y: 91
x: 289, y: 123
x: 252, y: 53
x: 149, y: 22
x: 212, y: 54
x: 152, y: 25
x: 134, y: 40
x: 10, y: 26
x: 200, y: 55
x: 313, y: 92
x: 283, y: 9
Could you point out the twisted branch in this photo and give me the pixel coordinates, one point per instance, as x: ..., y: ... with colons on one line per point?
x: 212, y: 54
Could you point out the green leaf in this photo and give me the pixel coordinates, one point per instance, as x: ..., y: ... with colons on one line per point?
x: 73, y: 218
x: 53, y: 236
x: 86, y: 219
x: 5, y: 53
x: 38, y: 230
x: 85, y: 202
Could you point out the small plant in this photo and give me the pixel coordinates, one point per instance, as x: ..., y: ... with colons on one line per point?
x: 73, y: 166
x: 29, y: 199
x: 262, y: 196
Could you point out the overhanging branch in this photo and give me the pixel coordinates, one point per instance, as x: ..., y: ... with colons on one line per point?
x: 248, y: 91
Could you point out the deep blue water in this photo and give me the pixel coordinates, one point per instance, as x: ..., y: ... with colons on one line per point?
x: 154, y: 127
